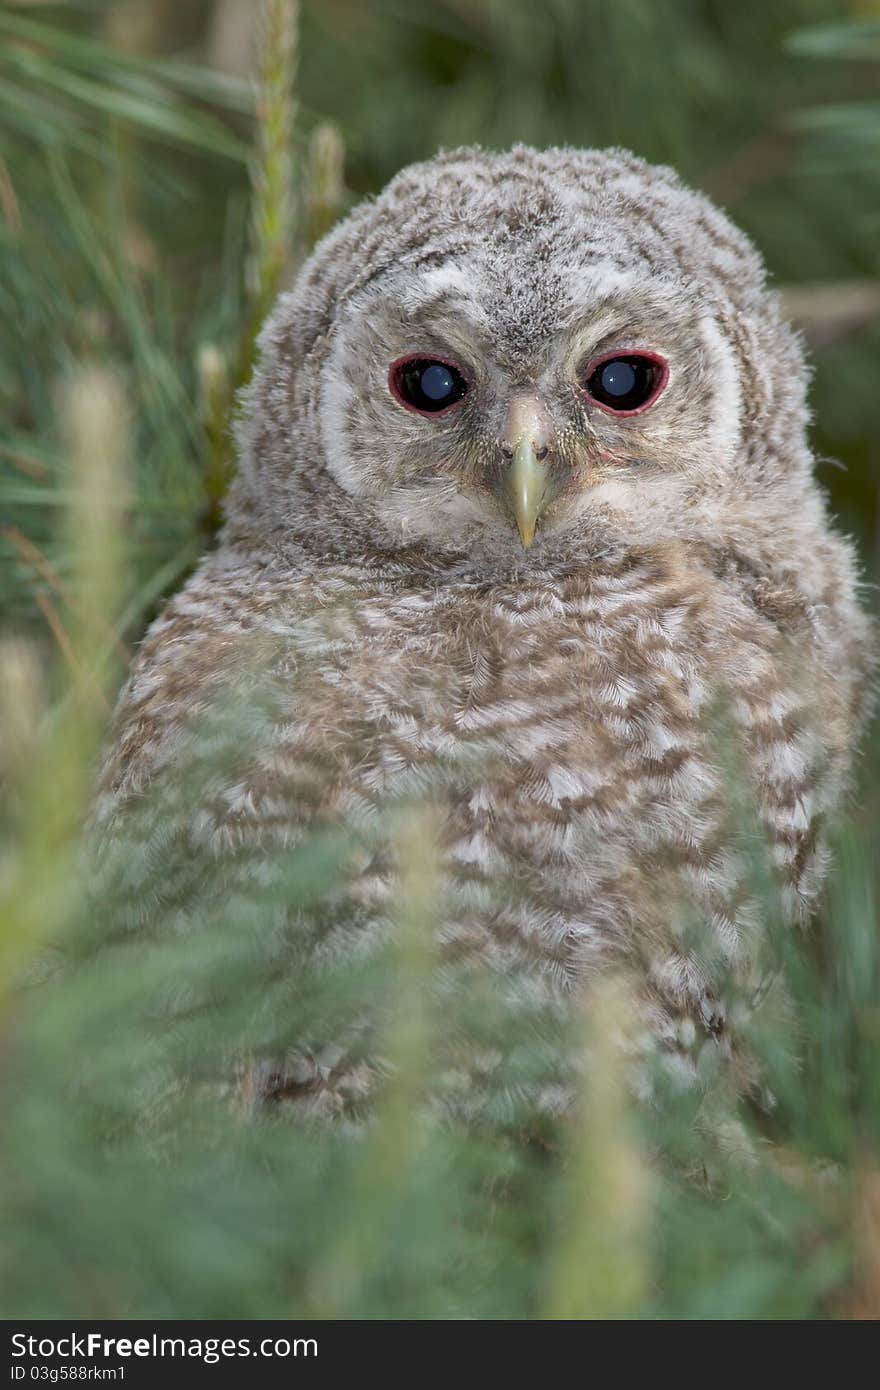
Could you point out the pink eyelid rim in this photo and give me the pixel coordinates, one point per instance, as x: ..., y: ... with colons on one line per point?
x: 425, y: 357
x: 654, y: 357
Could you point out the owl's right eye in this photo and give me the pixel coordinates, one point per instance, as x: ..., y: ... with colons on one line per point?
x: 427, y: 385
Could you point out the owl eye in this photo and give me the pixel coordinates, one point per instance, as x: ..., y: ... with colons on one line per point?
x: 427, y: 385
x: 626, y: 383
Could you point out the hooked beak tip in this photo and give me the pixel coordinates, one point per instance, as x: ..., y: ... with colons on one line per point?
x: 526, y: 534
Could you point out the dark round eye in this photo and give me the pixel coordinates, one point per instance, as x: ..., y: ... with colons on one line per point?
x: 426, y: 384
x: 626, y: 384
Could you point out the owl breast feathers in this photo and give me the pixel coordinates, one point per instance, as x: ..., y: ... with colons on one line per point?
x: 524, y: 527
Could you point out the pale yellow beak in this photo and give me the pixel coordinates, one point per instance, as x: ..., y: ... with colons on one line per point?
x: 525, y: 482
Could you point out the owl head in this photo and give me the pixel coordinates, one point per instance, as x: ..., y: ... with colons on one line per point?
x: 523, y: 358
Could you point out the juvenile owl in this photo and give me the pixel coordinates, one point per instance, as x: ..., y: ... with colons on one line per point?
x: 524, y: 521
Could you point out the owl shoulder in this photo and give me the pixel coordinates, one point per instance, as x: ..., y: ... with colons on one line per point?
x: 210, y: 647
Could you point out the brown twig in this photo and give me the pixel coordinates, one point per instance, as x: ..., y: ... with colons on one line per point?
x: 56, y: 627
x: 828, y: 310
x: 31, y: 468
x: 9, y: 201
x: 34, y: 557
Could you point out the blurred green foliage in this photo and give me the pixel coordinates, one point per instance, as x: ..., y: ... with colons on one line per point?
x: 141, y: 207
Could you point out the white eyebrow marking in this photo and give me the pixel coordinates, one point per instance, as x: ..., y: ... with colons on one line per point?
x: 435, y: 284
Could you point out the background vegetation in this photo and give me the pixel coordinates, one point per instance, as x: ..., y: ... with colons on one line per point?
x: 162, y: 168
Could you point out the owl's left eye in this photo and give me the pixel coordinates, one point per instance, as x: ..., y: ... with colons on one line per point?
x: 427, y: 385
x: 626, y: 383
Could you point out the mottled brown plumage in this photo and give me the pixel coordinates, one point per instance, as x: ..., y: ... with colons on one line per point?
x: 561, y: 705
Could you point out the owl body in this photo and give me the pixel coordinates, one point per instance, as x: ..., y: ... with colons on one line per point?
x: 551, y: 663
